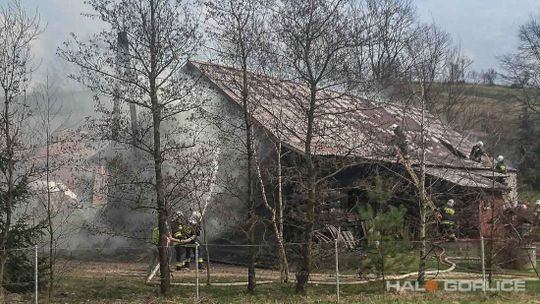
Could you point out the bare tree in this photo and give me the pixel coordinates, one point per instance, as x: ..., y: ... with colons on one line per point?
x: 59, y: 200
x: 163, y: 35
x: 273, y: 198
x: 315, y: 40
x: 241, y: 32
x: 383, y: 29
x: 451, y: 98
x: 456, y: 66
x: 18, y: 30
x: 426, y: 58
x: 48, y: 114
x: 521, y: 70
x: 489, y: 77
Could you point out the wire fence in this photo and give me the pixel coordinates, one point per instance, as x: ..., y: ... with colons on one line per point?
x: 333, y: 264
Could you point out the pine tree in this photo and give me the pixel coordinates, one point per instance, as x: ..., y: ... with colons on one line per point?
x: 19, y: 268
x: 385, y: 230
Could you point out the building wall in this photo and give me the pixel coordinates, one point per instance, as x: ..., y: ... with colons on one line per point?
x: 99, y: 179
x: 491, y: 207
x: 224, y: 121
x: 511, y: 197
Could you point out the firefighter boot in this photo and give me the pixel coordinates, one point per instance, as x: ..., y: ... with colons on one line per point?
x: 180, y: 266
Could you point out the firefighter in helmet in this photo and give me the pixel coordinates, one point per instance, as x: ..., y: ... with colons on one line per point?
x: 400, y: 140
x: 477, y: 152
x: 448, y: 214
x: 194, y: 224
x: 181, y: 237
x: 500, y: 166
x: 155, y: 245
x: 187, y: 231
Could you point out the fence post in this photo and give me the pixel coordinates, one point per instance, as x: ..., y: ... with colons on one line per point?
x: 337, y: 267
x: 36, y: 278
x: 197, y: 270
x: 483, y: 264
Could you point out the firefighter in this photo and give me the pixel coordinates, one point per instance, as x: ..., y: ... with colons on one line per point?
x: 400, y: 140
x: 178, y: 240
x: 154, y: 253
x: 477, y: 152
x: 182, y: 236
x: 194, y: 229
x: 500, y: 166
x: 448, y: 220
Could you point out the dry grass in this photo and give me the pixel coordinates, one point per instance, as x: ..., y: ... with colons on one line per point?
x: 108, y: 283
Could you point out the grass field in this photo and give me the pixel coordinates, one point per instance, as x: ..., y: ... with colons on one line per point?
x: 119, y: 283
x: 133, y: 291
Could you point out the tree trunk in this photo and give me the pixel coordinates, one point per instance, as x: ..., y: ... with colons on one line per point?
x: 250, y: 203
x: 162, y: 208
x: 252, y: 259
x: 160, y: 195
x: 276, y: 223
x: 207, y: 251
x: 423, y: 199
x: 302, y: 276
x: 279, y: 228
x: 491, y: 233
x: 50, y: 228
x: 423, y: 245
x: 158, y: 160
x: 284, y: 264
x: 8, y: 200
x: 161, y: 203
x: 3, y: 258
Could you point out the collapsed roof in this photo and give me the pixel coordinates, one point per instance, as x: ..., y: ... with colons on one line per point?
x: 348, y: 125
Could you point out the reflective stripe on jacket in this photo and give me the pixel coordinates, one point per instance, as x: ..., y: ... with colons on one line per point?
x: 155, y: 236
x: 448, y: 216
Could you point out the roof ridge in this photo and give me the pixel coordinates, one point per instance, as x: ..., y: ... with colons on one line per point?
x: 206, y: 63
x: 348, y: 94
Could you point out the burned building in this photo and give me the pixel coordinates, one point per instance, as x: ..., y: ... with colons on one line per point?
x: 355, y: 136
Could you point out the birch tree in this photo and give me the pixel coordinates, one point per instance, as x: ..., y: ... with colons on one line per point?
x: 426, y: 58
x: 272, y: 197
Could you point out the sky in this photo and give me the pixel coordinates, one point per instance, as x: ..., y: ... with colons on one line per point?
x: 484, y: 29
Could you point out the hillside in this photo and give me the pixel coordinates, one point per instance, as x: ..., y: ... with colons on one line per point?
x: 492, y: 114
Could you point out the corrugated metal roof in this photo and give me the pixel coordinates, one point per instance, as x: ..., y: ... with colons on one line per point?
x: 345, y: 125
x: 460, y: 177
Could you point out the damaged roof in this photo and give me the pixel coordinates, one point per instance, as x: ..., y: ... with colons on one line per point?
x: 464, y: 178
x: 345, y: 125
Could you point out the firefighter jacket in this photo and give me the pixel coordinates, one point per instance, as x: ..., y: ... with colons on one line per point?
x: 448, y: 216
x: 155, y: 236
x: 501, y: 167
x: 183, y: 232
x: 476, y: 153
